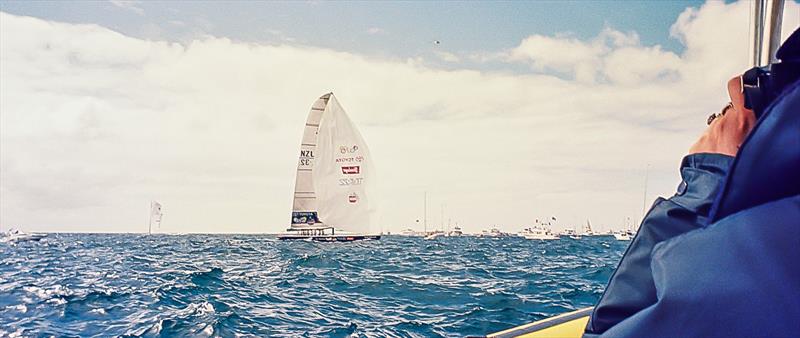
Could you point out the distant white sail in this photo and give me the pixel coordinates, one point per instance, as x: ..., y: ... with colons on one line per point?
x: 155, y: 216
x: 335, y: 173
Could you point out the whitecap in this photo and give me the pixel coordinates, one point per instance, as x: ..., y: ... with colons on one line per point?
x: 21, y: 308
x: 208, y: 330
x: 196, y: 308
x: 206, y: 307
x: 16, y: 334
x: 57, y: 301
x: 56, y: 290
x: 39, y: 292
x: 99, y: 311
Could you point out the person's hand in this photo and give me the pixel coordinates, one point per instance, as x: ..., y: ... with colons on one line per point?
x: 727, y: 132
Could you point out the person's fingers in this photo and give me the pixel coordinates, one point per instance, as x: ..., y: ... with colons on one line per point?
x: 744, y: 116
x: 735, y: 92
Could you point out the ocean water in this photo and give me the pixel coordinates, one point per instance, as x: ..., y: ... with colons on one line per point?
x: 254, y: 285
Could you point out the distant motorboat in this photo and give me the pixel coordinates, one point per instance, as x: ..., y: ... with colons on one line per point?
x: 16, y: 235
x: 571, y: 233
x: 409, y: 233
x: 538, y: 232
x: 568, y: 232
x: 622, y: 236
x: 456, y: 232
x: 492, y: 233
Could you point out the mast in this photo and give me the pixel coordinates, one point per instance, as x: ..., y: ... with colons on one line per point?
x: 765, y: 38
x: 441, y: 218
x: 644, y: 196
x: 150, y: 223
x: 765, y: 35
x: 425, y: 211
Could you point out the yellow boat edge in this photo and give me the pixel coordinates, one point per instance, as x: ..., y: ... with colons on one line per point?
x: 567, y: 325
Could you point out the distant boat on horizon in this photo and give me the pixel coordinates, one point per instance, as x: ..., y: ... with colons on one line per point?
x: 587, y: 229
x: 622, y: 236
x: 493, y: 233
x: 156, y: 214
x: 334, y: 173
x: 456, y: 232
x: 433, y: 235
x: 538, y: 232
x: 410, y: 233
x: 15, y: 235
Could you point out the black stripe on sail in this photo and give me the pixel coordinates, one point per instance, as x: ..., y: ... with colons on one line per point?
x: 312, y: 125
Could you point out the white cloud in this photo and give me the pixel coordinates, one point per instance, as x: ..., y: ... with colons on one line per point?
x: 612, y: 56
x: 130, y: 5
x: 94, y: 124
x: 447, y: 56
x: 374, y: 30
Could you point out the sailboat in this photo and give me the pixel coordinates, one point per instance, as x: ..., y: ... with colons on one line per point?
x: 627, y: 233
x: 334, y: 176
x: 155, y: 216
x: 587, y: 230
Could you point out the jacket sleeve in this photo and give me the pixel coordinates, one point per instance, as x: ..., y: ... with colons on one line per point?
x: 631, y: 287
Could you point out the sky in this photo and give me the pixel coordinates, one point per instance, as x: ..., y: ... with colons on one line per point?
x: 521, y: 111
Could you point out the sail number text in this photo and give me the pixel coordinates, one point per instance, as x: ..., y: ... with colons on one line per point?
x: 306, y: 157
x: 351, y: 181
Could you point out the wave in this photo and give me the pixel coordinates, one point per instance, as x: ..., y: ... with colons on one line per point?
x: 243, y: 285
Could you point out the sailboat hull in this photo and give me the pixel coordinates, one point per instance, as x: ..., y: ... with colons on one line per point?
x: 329, y: 238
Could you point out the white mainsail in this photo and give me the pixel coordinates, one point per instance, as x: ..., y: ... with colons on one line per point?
x: 334, y: 174
x: 155, y: 216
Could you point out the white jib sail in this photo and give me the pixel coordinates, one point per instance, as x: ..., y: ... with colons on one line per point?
x: 334, y: 175
x: 344, y: 174
x: 155, y: 216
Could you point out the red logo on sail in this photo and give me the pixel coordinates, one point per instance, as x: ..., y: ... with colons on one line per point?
x: 351, y: 170
x: 353, y: 198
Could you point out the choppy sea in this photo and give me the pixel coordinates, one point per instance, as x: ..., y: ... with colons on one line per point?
x: 71, y: 285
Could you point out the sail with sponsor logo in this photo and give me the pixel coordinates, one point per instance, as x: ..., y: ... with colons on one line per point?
x: 333, y: 184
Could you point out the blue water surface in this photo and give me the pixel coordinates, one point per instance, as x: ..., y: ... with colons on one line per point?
x: 254, y: 285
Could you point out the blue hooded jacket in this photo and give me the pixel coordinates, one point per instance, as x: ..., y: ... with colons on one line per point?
x: 720, y: 258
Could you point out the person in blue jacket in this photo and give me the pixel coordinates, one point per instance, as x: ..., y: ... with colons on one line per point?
x: 721, y: 258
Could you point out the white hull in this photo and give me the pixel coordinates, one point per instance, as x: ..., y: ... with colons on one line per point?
x: 622, y: 237
x: 433, y: 236
x: 15, y: 236
x: 541, y: 237
x: 322, y: 237
x: 493, y: 233
x: 538, y: 233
